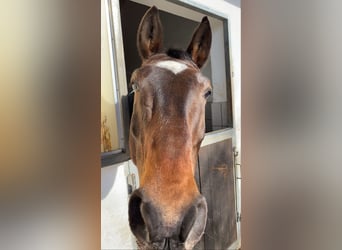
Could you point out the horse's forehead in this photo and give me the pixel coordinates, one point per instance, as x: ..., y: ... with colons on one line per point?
x: 170, y: 65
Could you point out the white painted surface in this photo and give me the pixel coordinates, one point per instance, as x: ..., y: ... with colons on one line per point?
x: 115, y: 231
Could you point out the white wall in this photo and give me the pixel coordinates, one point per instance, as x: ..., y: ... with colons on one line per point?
x: 115, y: 231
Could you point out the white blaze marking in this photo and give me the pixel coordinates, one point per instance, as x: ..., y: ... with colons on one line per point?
x: 175, y: 67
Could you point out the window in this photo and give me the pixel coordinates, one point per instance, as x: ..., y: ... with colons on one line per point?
x: 178, y: 26
x: 109, y: 130
x: 113, y: 144
x: 119, y: 58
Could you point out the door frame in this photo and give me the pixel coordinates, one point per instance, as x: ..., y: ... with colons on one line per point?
x: 225, y: 11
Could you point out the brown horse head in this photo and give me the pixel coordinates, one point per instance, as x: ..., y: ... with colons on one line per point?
x: 167, y: 128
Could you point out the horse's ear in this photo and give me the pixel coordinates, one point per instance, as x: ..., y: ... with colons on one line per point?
x: 150, y: 34
x: 199, y: 47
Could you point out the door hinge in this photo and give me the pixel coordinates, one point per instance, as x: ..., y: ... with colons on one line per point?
x: 238, y: 217
x: 235, y: 151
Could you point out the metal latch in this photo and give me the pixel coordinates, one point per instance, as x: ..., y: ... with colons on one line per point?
x: 131, y: 183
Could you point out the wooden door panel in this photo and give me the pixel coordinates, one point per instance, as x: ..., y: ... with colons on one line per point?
x: 215, y: 177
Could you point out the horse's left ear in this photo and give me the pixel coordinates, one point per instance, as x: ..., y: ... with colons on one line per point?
x: 199, y: 46
x: 150, y: 34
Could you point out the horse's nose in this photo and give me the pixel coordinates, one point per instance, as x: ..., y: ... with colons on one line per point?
x: 150, y: 229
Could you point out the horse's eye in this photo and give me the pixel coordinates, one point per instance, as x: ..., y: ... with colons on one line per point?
x: 207, y: 94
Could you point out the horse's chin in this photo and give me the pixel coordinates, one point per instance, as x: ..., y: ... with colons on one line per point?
x: 142, y: 245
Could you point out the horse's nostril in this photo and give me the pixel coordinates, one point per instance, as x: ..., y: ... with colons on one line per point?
x: 194, y: 223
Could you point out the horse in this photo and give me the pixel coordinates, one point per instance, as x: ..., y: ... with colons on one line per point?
x: 167, y: 127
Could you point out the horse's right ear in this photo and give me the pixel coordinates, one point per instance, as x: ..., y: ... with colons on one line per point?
x: 199, y: 46
x: 150, y: 34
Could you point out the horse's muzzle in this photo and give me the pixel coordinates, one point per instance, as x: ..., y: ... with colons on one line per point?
x: 152, y: 232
